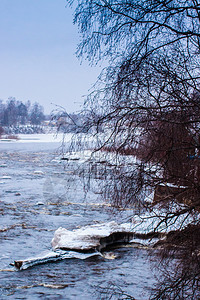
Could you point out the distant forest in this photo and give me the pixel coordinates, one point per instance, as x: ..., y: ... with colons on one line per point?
x: 15, y: 112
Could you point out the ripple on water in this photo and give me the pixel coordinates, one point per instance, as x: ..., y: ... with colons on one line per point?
x: 27, y: 227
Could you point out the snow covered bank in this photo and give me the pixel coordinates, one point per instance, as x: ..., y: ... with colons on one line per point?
x: 37, y: 138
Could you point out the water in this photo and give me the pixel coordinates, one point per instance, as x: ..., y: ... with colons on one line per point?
x: 39, y: 194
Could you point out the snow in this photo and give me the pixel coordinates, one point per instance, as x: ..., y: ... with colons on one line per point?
x: 38, y: 138
x: 70, y: 244
x: 156, y: 221
x: 38, y: 172
x: 5, y: 177
x: 149, y: 198
x: 87, y: 237
x: 50, y: 256
x: 173, y: 185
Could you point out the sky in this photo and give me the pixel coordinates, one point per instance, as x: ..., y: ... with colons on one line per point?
x: 37, y: 55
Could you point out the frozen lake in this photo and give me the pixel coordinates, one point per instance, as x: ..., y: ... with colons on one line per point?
x: 38, y: 194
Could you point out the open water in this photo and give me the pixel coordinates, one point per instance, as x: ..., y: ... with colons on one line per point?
x: 38, y: 194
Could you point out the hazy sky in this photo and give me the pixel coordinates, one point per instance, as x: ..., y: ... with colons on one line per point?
x: 37, y: 54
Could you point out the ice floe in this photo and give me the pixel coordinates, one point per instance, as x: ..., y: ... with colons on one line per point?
x: 3, y: 165
x: 38, y: 172
x: 50, y: 256
x: 92, y: 240
x: 5, y: 177
x: 92, y: 237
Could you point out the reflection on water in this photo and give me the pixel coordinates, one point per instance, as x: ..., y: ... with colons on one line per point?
x: 38, y: 195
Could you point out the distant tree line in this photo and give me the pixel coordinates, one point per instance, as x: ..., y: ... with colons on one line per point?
x: 15, y: 112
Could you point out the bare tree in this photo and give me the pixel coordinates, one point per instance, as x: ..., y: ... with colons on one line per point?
x: 147, y: 99
x: 150, y: 90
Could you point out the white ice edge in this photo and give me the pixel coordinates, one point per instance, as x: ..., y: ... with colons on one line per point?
x: 88, y: 238
x: 51, y: 256
x: 38, y: 138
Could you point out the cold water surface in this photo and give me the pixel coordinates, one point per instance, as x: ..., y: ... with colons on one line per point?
x: 38, y: 194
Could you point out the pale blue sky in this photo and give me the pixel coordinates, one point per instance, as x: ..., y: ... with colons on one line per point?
x: 37, y: 54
